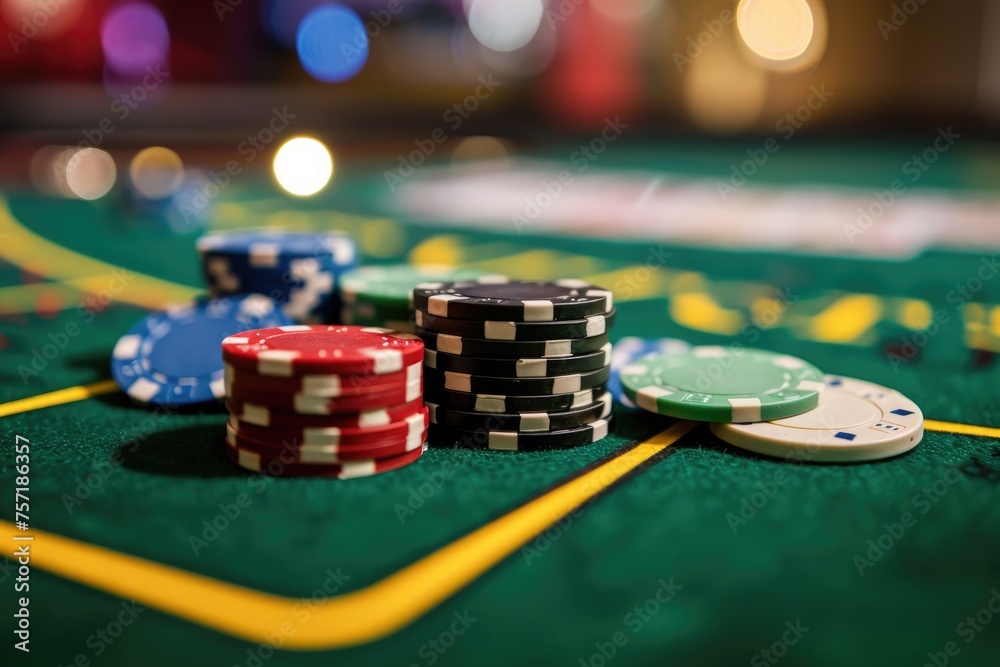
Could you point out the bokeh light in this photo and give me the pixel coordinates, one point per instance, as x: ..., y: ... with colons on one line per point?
x: 90, y: 173
x: 156, y: 172
x: 505, y: 25
x: 48, y: 169
x: 479, y: 148
x: 15, y: 12
x: 303, y: 166
x: 134, y: 37
x: 332, y: 43
x: 783, y: 35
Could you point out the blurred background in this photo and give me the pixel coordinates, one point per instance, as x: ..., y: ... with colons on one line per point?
x: 87, y: 86
x: 673, y: 66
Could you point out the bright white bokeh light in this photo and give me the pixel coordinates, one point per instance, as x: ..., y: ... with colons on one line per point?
x: 775, y: 29
x: 505, y: 25
x: 156, y: 172
x: 303, y: 166
x: 90, y: 173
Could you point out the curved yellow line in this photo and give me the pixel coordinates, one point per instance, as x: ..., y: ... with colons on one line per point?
x: 23, y: 248
x: 345, y: 620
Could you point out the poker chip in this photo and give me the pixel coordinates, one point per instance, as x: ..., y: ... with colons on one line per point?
x: 261, y: 414
x: 300, y: 270
x: 304, y: 404
x: 495, y: 403
x: 270, y: 247
x: 531, y: 386
x: 630, y: 349
x: 173, y: 358
x: 269, y: 444
x: 300, y: 349
x: 717, y: 384
x: 321, y: 384
x: 516, y: 364
x: 520, y: 301
x: 495, y: 349
x: 396, y: 432
x: 521, y: 441
x: 322, y: 456
x: 523, y: 422
x: 595, y: 325
x: 854, y: 421
x: 276, y: 467
x: 519, y: 368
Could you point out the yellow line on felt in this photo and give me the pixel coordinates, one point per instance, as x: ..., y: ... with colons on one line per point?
x: 58, y: 397
x: 23, y: 248
x: 964, y: 429
x: 344, y: 620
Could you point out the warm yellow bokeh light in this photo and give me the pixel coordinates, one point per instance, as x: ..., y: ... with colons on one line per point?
x: 157, y: 172
x: 90, y: 173
x: 303, y: 166
x: 783, y: 35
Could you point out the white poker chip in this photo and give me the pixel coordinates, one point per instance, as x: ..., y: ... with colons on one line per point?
x: 854, y: 421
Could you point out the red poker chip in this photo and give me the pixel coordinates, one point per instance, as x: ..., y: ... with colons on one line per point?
x: 332, y: 436
x: 321, y: 384
x: 258, y: 414
x: 286, y: 452
x: 305, y: 404
x: 297, y: 349
x: 275, y: 467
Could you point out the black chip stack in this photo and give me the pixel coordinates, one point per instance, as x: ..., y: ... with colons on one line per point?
x: 518, y: 365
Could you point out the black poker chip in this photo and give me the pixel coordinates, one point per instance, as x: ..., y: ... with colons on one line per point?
x: 510, y: 349
x: 525, y: 422
x: 501, y: 404
x: 519, y: 301
x: 523, y: 442
x: 518, y: 368
x: 594, y: 325
x: 476, y: 384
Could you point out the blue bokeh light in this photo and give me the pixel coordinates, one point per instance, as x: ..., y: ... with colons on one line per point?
x: 332, y: 43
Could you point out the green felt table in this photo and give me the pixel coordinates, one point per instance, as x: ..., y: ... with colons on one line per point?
x: 705, y: 554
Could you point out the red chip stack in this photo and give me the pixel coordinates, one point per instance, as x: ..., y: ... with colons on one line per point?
x: 324, y: 400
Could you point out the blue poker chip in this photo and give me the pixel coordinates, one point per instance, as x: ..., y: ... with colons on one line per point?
x: 273, y: 248
x: 299, y: 270
x: 631, y: 349
x: 174, y: 357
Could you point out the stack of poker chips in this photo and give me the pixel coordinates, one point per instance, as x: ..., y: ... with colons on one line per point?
x: 382, y: 296
x: 516, y: 365
x: 770, y: 403
x: 299, y: 270
x: 324, y: 400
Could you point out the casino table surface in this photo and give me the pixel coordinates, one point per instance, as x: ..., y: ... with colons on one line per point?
x: 657, y: 545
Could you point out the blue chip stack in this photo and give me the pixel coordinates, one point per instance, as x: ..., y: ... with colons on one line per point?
x: 174, y: 357
x: 299, y: 270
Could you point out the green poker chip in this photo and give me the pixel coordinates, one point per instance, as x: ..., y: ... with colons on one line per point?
x: 718, y: 384
x: 392, y: 285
